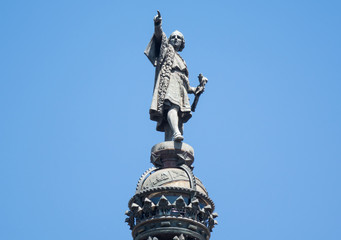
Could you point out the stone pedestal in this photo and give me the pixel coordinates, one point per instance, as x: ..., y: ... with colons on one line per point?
x: 171, y: 154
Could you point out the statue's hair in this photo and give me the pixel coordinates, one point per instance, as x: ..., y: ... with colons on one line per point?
x: 183, y: 39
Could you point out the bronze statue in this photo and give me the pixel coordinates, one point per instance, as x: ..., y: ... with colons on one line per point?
x: 170, y: 106
x: 170, y: 202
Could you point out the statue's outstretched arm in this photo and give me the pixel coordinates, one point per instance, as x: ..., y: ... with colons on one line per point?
x: 158, y: 25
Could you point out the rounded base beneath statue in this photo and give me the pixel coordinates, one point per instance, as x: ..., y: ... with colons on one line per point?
x: 171, y: 154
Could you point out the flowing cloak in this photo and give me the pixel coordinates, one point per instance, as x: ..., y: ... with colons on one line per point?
x: 171, y: 82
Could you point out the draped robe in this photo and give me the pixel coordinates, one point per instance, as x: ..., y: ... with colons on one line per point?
x: 171, y: 82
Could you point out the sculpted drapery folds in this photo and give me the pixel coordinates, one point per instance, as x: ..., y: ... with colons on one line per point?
x: 170, y: 106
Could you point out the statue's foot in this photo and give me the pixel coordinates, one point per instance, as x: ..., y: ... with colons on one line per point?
x: 178, y: 137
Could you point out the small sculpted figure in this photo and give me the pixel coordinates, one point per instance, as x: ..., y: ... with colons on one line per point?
x: 170, y: 106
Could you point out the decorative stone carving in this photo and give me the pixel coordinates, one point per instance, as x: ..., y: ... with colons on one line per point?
x: 148, y: 207
x: 180, y: 204
x: 163, y: 206
x: 193, y: 209
x: 172, y: 154
x: 137, y: 210
x: 181, y: 237
x: 130, y: 219
x: 154, y: 238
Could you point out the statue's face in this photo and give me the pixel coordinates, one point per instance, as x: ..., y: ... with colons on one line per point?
x: 176, y: 39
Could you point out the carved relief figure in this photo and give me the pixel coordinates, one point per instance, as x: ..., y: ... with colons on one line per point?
x: 170, y: 106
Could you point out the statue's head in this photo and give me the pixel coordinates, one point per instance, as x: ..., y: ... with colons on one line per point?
x: 177, y: 40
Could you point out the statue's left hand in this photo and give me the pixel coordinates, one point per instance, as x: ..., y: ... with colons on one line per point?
x: 201, y: 87
x: 199, y: 90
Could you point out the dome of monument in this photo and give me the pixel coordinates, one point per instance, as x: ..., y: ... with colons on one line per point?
x: 171, y: 177
x: 169, y: 202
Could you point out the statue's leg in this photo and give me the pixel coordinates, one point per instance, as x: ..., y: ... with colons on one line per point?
x: 168, y: 132
x: 181, y: 126
x: 173, y: 120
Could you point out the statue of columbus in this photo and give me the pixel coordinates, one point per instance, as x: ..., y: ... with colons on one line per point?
x: 170, y: 106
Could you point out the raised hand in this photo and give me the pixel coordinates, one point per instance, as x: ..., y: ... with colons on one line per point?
x: 157, y: 18
x: 201, y: 87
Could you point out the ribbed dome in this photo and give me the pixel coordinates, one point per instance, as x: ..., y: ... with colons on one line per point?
x: 170, y: 177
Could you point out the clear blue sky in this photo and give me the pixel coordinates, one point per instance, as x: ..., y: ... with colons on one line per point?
x: 75, y: 134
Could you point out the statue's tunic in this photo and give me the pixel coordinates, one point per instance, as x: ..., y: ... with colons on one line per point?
x: 171, y: 82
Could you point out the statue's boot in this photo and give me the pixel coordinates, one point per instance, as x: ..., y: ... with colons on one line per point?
x: 178, y: 137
